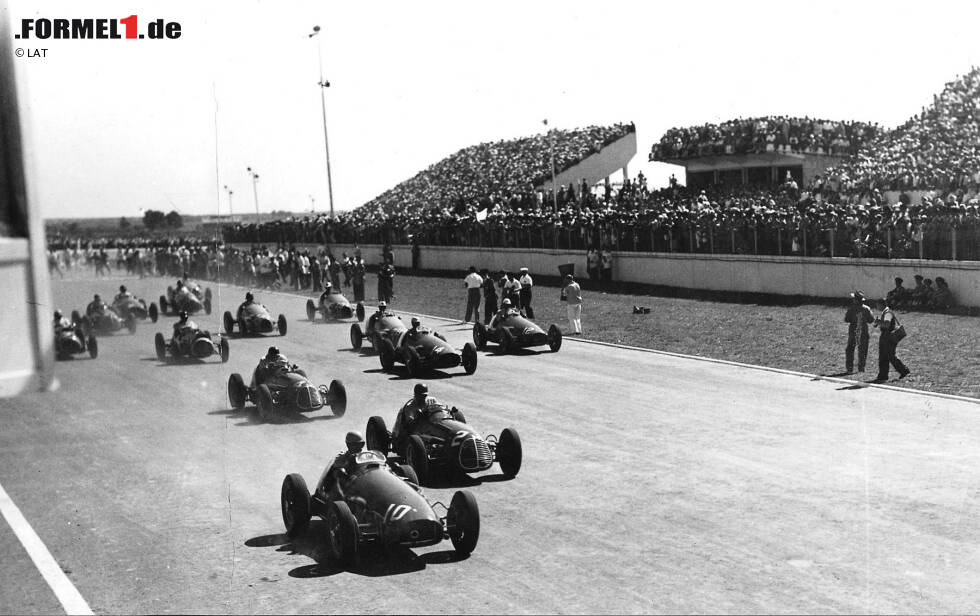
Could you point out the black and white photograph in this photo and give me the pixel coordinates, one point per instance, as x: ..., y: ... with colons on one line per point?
x: 489, y: 308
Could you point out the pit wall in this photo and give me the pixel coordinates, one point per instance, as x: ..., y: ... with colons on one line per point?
x: 809, y: 276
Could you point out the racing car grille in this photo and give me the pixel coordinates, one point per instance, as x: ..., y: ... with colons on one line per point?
x: 474, y: 454
x: 308, y: 398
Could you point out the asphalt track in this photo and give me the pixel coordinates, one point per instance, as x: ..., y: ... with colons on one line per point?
x: 651, y: 483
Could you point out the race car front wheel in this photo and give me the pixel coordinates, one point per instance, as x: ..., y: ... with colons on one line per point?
x: 416, y: 455
x: 295, y: 498
x: 161, y: 346
x: 463, y: 522
x: 343, y: 533
x: 337, y: 398
x: 510, y: 454
x: 377, y: 436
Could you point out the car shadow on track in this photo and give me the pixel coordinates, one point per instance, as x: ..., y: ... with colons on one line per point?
x: 370, y: 562
x: 449, y: 480
x: 251, y: 417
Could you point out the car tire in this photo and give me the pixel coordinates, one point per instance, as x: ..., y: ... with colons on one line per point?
x: 342, y: 530
x: 377, y: 436
x: 356, y: 337
x: 281, y: 324
x: 237, y: 393
x: 163, y: 305
x: 229, y: 323
x: 264, y: 401
x: 480, y: 335
x: 93, y: 347
x: 387, y: 355
x: 406, y: 472
x: 310, y: 310
x: 76, y: 317
x: 509, y: 452
x: 225, y: 349
x: 414, y: 362
x: 417, y: 457
x: 154, y: 312
x: 337, y: 398
x: 470, y: 358
x: 161, y: 346
x: 463, y: 522
x: 359, y: 311
x: 296, y: 505
x: 207, y: 305
x: 554, y: 338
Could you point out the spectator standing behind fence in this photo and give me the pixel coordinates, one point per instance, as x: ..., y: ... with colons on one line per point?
x: 571, y: 293
x: 489, y: 296
x: 473, y: 283
x: 607, y: 263
x: 888, y: 343
x: 386, y: 281
x: 858, y: 317
x: 526, y: 283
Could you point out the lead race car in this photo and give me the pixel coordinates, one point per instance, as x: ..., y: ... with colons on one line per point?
x: 440, y: 440
x: 423, y: 350
x: 278, y: 386
x: 191, y: 342
x: 512, y: 331
x: 374, y: 502
x: 189, y: 298
x: 254, y: 318
x: 334, y: 305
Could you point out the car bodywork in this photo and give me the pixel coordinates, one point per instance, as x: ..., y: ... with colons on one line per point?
x: 388, y: 327
x: 513, y: 331
x: 190, y: 298
x: 335, y: 306
x: 286, y: 389
x: 373, y: 502
x: 255, y: 319
x: 423, y: 351
x: 73, y: 341
x: 103, y: 321
x: 197, y: 344
x: 133, y: 307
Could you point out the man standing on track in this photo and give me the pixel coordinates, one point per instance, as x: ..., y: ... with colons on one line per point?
x: 525, y: 293
x: 489, y: 297
x: 571, y: 292
x: 888, y: 343
x: 473, y: 283
x: 858, y: 317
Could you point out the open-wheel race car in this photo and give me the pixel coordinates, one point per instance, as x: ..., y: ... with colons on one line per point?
x: 423, y: 350
x: 71, y: 340
x: 286, y: 389
x: 191, y: 343
x: 103, y: 320
x: 131, y: 307
x: 513, y: 331
x: 377, y: 503
x: 440, y: 440
x: 378, y: 328
x: 254, y: 318
x: 189, y: 298
x: 332, y: 304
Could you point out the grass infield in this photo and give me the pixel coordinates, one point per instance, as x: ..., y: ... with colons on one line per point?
x: 941, y: 350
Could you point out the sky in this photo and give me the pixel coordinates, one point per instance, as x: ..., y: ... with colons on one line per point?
x: 116, y: 127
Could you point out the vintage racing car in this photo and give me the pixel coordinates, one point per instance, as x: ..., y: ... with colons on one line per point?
x: 423, y: 350
x: 378, y: 328
x: 255, y: 319
x: 440, y: 439
x: 192, y: 343
x: 103, y: 320
x: 73, y: 341
x: 513, y: 331
x: 335, y: 306
x: 130, y: 306
x: 186, y: 297
x: 287, y: 389
x: 377, y: 503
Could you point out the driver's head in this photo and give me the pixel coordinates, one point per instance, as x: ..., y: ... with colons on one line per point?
x: 57, y: 315
x: 421, y: 392
x: 355, y: 442
x: 505, y: 304
x: 98, y: 297
x: 382, y: 306
x: 416, y: 323
x: 249, y: 297
x: 327, y: 286
x: 180, y: 283
x: 122, y: 288
x: 272, y: 353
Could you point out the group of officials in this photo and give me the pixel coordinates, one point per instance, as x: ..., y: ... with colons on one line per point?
x: 860, y: 318
x: 517, y: 289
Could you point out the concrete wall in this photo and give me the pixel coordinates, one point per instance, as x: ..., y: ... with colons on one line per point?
x: 20, y: 364
x: 807, y: 276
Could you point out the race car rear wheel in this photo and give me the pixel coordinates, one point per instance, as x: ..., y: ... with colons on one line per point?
x: 480, y: 335
x: 377, y: 436
x: 416, y: 456
x: 387, y: 354
x: 463, y: 522
x: 469, y: 358
x: 554, y: 338
x: 264, y: 401
x: 337, y: 398
x: 161, y: 345
x: 281, y: 325
x: 207, y: 295
x: 356, y: 336
x: 93, y: 347
x: 163, y: 305
x: 207, y: 305
x: 225, y: 349
x: 414, y: 363
x: 237, y: 393
x: 510, y: 454
x: 295, y: 499
x: 229, y: 322
x: 310, y: 310
x: 359, y: 311
x: 154, y: 313
x: 343, y: 533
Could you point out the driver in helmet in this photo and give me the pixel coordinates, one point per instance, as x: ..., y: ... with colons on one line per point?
x: 249, y: 300
x: 184, y: 330
x: 272, y: 364
x: 411, y: 411
x: 416, y: 329
x: 61, y: 322
x: 327, y: 290
x: 506, y: 309
x: 123, y: 294
x: 343, y: 462
x: 96, y: 307
x: 377, y: 316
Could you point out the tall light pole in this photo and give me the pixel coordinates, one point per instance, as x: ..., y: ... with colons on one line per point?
x: 324, y: 84
x: 255, y: 192
x: 554, y: 186
x: 231, y: 211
